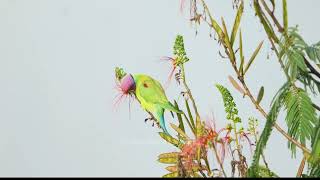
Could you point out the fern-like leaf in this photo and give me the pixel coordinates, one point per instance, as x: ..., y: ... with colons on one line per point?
x: 301, y: 116
x: 315, y: 144
x: 277, y: 104
x: 292, y: 53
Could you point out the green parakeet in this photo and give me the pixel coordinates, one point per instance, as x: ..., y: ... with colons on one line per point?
x: 150, y: 95
x: 152, y: 98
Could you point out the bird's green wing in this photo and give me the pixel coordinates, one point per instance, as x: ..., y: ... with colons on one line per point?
x: 152, y: 92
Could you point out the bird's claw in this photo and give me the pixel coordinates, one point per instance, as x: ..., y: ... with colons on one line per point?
x: 153, y: 121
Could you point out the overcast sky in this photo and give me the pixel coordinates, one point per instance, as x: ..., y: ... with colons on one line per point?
x: 57, y: 60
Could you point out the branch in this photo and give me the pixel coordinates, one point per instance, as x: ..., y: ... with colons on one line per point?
x: 312, y: 69
x: 219, y: 160
x: 258, y: 107
x: 191, y: 97
x: 315, y: 106
x: 275, y: 20
x: 301, y: 167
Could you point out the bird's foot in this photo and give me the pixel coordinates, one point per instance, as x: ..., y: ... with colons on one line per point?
x: 154, y: 122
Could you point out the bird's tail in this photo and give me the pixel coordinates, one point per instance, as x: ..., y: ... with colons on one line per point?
x: 163, y: 125
x: 169, y: 106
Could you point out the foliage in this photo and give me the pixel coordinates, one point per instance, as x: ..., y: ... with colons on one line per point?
x: 179, y: 51
x: 229, y: 104
x: 301, y: 116
x: 271, y: 119
x: 299, y: 62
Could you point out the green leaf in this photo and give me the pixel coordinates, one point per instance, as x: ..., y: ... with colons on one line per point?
x: 285, y: 15
x: 173, y: 168
x: 180, y: 132
x: 294, y: 63
x: 171, y: 140
x: 310, y: 82
x: 255, y: 53
x: 272, y: 116
x: 241, y: 54
x: 292, y: 51
x: 315, y: 171
x: 264, y: 172
x: 260, y: 95
x: 224, y: 28
x: 190, y: 125
x: 181, y: 125
x: 171, y: 175
x: 236, y: 23
x: 168, y: 155
x: 217, y: 28
x: 227, y: 41
x: 190, y: 114
x: 313, y: 52
x: 198, y: 154
x: 168, y: 160
x: 267, y: 26
x: 198, y: 126
x: 315, y: 144
x: 301, y: 116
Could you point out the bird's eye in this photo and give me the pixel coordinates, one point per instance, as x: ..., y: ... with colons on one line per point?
x: 145, y: 85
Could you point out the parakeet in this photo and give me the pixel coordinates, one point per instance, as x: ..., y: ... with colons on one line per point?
x: 150, y: 95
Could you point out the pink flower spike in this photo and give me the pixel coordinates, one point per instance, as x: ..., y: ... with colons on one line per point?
x: 182, y: 5
x: 173, y: 69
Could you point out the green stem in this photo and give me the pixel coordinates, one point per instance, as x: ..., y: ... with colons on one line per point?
x: 190, y: 125
x: 191, y: 98
x: 208, y: 165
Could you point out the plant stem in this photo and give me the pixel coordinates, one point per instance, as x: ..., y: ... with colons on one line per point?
x: 253, y: 100
x: 190, y: 96
x: 219, y: 160
x: 202, y: 173
x: 301, y: 167
x: 276, y: 22
x: 259, y: 108
x: 238, y: 148
x: 315, y: 106
x: 190, y: 125
x: 208, y: 165
x: 312, y: 69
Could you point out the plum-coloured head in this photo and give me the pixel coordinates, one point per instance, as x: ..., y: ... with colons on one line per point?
x: 127, y: 84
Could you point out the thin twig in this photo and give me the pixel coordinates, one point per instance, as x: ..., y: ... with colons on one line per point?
x: 312, y: 69
x: 315, y: 106
x: 275, y: 20
x: 190, y: 95
x: 219, y: 160
x: 301, y: 167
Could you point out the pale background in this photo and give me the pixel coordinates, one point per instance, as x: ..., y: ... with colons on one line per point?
x: 57, y: 60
